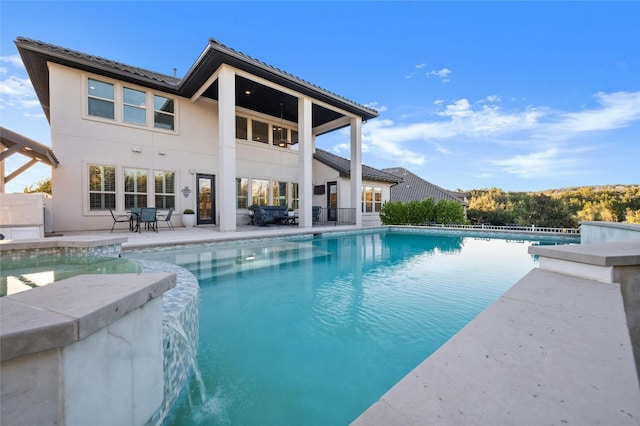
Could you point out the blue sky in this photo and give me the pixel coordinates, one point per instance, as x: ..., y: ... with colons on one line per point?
x: 516, y: 95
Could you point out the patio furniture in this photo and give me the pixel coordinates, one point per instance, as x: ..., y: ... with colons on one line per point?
x: 148, y: 217
x: 133, y: 219
x: 316, y: 214
x: 166, y: 218
x: 120, y: 218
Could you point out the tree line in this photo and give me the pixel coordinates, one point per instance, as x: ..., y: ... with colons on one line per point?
x: 561, y: 208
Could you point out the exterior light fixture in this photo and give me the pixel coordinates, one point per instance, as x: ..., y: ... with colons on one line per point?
x: 282, y: 142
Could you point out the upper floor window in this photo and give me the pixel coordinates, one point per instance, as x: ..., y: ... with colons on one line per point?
x: 102, y: 187
x: 163, y: 112
x: 241, y: 128
x: 134, y: 108
x: 259, y: 131
x: 101, y: 100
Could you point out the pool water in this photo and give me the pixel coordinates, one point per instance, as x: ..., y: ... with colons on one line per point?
x: 314, y: 332
x: 27, y: 273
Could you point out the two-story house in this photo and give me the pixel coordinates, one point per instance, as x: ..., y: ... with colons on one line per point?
x: 232, y: 132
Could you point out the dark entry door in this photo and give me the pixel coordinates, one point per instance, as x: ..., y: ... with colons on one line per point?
x: 206, y: 199
x: 332, y: 201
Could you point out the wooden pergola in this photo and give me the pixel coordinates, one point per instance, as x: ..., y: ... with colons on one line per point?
x: 13, y: 143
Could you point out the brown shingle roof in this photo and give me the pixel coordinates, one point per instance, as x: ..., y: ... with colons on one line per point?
x: 343, y: 166
x: 413, y: 187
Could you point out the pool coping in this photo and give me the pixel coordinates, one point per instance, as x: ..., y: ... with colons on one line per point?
x: 555, y: 348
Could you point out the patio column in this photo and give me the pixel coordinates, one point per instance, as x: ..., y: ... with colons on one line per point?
x: 356, y: 168
x: 305, y: 163
x: 227, y: 149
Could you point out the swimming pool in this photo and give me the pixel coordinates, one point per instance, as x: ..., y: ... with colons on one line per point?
x: 313, y: 331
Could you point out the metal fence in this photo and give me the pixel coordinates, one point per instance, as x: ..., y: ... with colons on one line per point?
x: 345, y: 216
x: 532, y: 228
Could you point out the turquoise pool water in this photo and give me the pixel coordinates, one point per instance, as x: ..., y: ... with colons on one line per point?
x: 313, y: 332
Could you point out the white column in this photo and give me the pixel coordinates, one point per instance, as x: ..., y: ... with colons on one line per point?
x: 305, y: 163
x: 226, y: 179
x: 356, y: 168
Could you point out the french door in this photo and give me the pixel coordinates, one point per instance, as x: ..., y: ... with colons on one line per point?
x: 206, y: 214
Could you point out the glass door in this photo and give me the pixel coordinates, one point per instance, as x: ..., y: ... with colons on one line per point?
x: 206, y: 205
x: 332, y: 201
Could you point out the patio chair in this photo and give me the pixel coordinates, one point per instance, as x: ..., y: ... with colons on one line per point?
x: 167, y: 218
x: 118, y: 218
x: 148, y: 217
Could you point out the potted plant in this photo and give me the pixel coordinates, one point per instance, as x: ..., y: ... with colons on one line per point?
x: 188, y: 218
x: 291, y: 212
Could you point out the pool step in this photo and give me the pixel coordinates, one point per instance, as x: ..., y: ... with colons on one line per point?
x: 231, y: 260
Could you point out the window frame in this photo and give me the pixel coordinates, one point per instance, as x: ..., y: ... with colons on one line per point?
x: 105, y: 192
x: 119, y: 104
x: 164, y: 195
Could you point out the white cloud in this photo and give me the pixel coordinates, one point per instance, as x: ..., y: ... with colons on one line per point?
x: 488, y: 123
x: 552, y: 162
x: 376, y: 106
x: 442, y: 74
x: 13, y: 60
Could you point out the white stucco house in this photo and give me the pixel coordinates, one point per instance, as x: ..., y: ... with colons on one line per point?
x: 231, y: 133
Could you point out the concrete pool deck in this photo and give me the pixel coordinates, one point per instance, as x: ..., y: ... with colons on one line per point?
x: 554, y: 349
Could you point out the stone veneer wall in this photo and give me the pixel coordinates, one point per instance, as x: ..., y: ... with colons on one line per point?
x: 180, y: 322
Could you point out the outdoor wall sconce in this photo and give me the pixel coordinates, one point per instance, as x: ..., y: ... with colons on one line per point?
x: 136, y: 148
x: 186, y: 191
x: 162, y: 152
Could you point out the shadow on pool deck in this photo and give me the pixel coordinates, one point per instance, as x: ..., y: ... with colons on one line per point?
x: 204, y: 233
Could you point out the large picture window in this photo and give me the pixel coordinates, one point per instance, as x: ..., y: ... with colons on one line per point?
x: 163, y: 113
x: 259, y: 192
x: 134, y: 108
x: 135, y: 188
x: 165, y: 189
x: 101, y: 101
x: 242, y: 193
x: 102, y: 187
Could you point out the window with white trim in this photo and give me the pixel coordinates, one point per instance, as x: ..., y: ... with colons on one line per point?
x: 279, y: 194
x: 163, y: 113
x: 259, y: 192
x: 101, y: 99
x: 135, y: 188
x: 165, y: 189
x: 259, y: 131
x: 102, y: 187
x: 134, y: 106
x: 241, y: 128
x: 371, y: 199
x: 242, y: 193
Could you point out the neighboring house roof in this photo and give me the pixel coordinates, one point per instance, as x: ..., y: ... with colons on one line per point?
x: 16, y: 143
x: 343, y: 166
x: 35, y: 55
x: 413, y: 187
